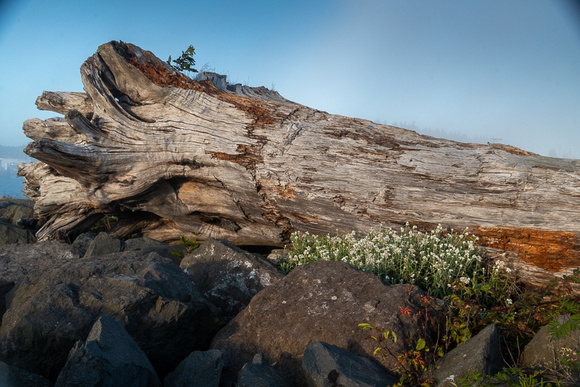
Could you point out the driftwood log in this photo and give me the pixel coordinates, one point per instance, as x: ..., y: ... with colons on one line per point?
x: 169, y: 156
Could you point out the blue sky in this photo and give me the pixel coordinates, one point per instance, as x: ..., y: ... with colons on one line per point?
x: 473, y: 70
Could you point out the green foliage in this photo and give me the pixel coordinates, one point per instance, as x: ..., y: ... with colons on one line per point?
x: 476, y: 293
x: 432, y: 261
x: 185, y: 62
x: 105, y: 224
x: 507, y: 377
x: 189, y: 244
x: 412, y: 363
x: 569, y: 306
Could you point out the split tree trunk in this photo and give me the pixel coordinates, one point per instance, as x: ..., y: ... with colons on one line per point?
x: 169, y: 156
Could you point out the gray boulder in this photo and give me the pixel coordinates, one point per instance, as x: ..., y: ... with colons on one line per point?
x: 199, y: 369
x: 144, y: 244
x: 11, y: 230
x: 327, y: 365
x: 260, y: 373
x: 110, y: 357
x: 321, y: 301
x: 12, y: 234
x: 5, y: 287
x: 228, y: 276
x: 481, y: 353
x: 544, y: 352
x: 14, y: 377
x: 83, y: 241
x: 13, y: 211
x: 90, y: 245
x: 103, y: 244
x: 17, y: 261
x: 53, y: 308
x: 27, y: 222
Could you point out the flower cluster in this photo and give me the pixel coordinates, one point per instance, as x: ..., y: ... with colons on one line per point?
x: 431, y: 260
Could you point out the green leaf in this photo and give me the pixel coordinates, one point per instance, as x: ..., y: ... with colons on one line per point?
x: 365, y: 326
x: 420, y: 344
x: 377, y: 350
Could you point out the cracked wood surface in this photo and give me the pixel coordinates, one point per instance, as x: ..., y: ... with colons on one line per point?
x: 169, y: 156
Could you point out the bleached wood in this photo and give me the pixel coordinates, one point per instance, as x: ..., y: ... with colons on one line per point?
x: 170, y: 156
x: 62, y: 102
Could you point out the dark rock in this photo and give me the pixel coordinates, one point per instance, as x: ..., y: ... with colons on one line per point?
x: 93, y: 245
x: 12, y: 234
x: 27, y: 222
x: 228, y: 276
x: 103, y: 244
x: 8, y: 201
x: 481, y: 353
x: 151, y: 245
x: 322, y: 301
x: 16, y: 211
x: 5, y: 287
x: 17, y: 261
x: 110, y: 357
x: 83, y: 241
x: 200, y: 368
x: 327, y: 365
x: 545, y: 352
x: 15, y: 377
x: 260, y: 373
x: 144, y: 244
x: 55, y: 307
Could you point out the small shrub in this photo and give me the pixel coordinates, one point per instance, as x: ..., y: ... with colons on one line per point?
x: 412, y: 364
x: 185, y: 62
x: 189, y: 244
x: 432, y: 261
x: 507, y: 377
x: 105, y: 224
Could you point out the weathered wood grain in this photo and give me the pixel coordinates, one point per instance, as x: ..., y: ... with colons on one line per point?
x: 169, y: 156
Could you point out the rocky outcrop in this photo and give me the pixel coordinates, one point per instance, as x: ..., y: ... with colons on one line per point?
x: 16, y: 210
x: 481, y: 353
x: 200, y: 368
x: 322, y: 301
x: 101, y: 244
x: 228, y: 276
x: 80, y: 318
x: 260, y: 373
x: 15, y: 377
x: 17, y: 223
x: 53, y: 308
x: 329, y: 365
x: 545, y: 351
x: 109, y: 357
x: 17, y: 261
x: 12, y: 234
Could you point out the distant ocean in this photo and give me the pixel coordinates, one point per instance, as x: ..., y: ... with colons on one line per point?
x: 12, y: 185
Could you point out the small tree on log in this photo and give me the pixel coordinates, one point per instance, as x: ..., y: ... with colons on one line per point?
x: 185, y: 62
